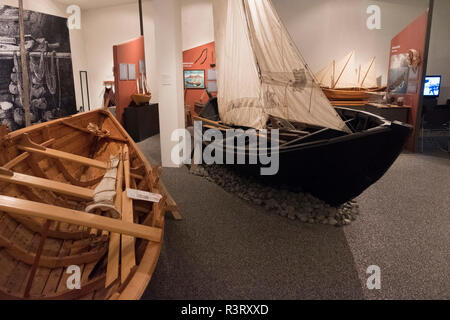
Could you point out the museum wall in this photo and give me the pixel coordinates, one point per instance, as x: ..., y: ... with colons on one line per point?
x: 322, y: 29
x: 105, y: 27
x: 328, y: 29
x: 197, y: 23
x: 204, y: 56
x: 100, y: 35
x: 79, y: 61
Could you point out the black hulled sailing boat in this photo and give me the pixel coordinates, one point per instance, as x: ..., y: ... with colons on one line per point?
x: 264, y: 83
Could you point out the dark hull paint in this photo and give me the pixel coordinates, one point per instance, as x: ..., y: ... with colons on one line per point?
x: 339, y: 169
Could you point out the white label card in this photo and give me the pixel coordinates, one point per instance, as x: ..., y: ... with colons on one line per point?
x: 143, y: 195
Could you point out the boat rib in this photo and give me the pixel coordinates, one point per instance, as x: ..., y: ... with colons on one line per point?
x: 49, y: 174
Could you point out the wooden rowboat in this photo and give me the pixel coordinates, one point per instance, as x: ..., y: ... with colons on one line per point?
x: 49, y: 174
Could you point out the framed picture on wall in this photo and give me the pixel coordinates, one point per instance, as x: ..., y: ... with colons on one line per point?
x: 123, y: 72
x: 131, y: 72
x: 399, y: 74
x: 194, y: 79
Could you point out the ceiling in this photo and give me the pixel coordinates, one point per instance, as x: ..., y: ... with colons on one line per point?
x: 91, y: 4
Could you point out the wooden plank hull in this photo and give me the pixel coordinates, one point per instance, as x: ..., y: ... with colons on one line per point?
x: 48, y: 176
x: 346, y: 94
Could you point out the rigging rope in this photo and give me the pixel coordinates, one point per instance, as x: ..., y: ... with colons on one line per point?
x: 95, y: 129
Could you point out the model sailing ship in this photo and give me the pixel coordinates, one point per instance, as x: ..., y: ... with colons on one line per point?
x: 64, y: 202
x: 343, y: 84
x: 264, y: 83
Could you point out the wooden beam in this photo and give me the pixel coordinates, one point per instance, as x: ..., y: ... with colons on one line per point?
x: 85, y: 130
x: 24, y: 156
x: 37, y: 258
x: 136, y: 176
x: 147, y: 165
x: 8, y: 55
x: 56, y: 154
x: 70, y: 178
x: 128, y: 243
x: 171, y: 204
x: 112, y: 270
x: 135, y: 289
x: 23, y: 255
x: 44, y: 184
x: 34, y: 209
x: 214, y: 123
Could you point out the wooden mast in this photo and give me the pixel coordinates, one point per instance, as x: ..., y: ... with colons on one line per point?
x: 359, y: 74
x: 334, y: 73
x: 367, y: 73
x: 342, y: 72
x: 25, y: 77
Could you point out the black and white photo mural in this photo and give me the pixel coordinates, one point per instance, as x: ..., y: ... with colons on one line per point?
x: 47, y: 42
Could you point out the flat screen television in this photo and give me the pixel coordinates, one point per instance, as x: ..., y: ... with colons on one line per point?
x: 432, y: 86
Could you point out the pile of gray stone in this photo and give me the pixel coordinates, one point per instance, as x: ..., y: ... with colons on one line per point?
x: 280, y: 200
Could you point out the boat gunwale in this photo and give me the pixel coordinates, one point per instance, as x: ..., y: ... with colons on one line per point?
x: 384, y: 125
x: 144, y: 273
x: 20, y: 132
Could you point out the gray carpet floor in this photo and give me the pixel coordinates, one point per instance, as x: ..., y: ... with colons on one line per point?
x: 226, y: 248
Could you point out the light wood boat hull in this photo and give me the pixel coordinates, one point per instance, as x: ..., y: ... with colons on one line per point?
x: 140, y: 99
x: 48, y: 175
x: 346, y: 94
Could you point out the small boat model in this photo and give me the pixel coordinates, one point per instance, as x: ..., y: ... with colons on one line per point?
x: 141, y: 98
x: 347, y: 94
x: 342, y: 82
x: 333, y: 153
x: 145, y: 96
x: 69, y: 228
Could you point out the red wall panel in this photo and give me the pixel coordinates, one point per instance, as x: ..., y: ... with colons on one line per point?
x: 130, y: 52
x: 189, y: 57
x: 412, y: 37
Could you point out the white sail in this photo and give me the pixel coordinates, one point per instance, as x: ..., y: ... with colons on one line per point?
x: 326, y: 76
x: 368, y: 77
x: 346, y: 75
x: 239, y: 88
x: 261, y: 72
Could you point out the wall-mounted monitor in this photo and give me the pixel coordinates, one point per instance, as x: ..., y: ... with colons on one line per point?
x: 432, y: 86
